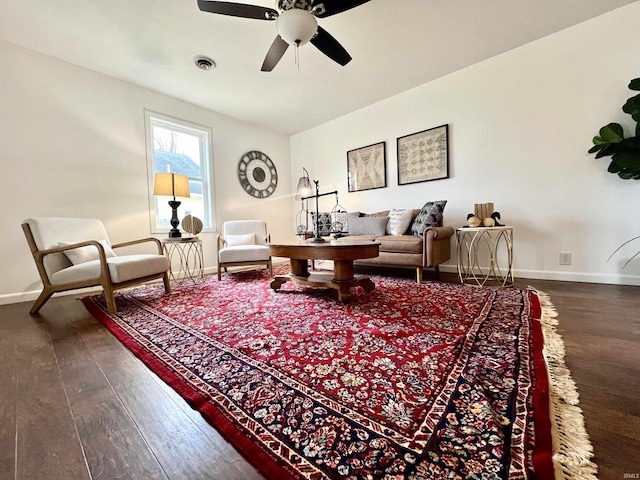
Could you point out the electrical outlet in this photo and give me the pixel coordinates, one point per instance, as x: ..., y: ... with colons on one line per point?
x: 565, y: 258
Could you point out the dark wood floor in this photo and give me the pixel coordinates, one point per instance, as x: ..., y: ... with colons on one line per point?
x: 76, y: 404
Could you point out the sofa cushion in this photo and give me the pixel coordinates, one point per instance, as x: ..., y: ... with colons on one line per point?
x: 122, y: 269
x: 429, y: 216
x: 362, y: 238
x: 400, y: 243
x: 368, y: 225
x: 384, y: 213
x: 244, y: 253
x: 399, y: 221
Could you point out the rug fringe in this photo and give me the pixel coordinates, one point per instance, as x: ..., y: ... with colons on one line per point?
x: 571, y: 445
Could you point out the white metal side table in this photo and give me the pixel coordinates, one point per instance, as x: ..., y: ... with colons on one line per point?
x: 482, y: 244
x: 186, y: 261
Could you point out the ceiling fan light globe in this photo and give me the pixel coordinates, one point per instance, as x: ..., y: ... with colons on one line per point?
x: 296, y: 27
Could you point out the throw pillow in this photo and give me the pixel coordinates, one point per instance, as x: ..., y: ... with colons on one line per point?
x: 429, y: 216
x: 339, y: 221
x: 237, y: 240
x: 375, y: 226
x: 324, y: 224
x: 399, y: 221
x: 86, y: 254
x: 384, y: 213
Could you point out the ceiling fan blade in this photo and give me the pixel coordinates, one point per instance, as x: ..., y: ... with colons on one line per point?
x: 330, y: 47
x: 275, y: 53
x: 331, y: 7
x: 238, y: 10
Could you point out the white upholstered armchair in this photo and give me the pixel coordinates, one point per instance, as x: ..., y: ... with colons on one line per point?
x: 73, y: 253
x: 243, y: 242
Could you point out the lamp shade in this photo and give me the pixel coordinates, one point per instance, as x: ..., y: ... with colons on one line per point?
x: 171, y: 185
x: 304, y: 186
x: 296, y: 26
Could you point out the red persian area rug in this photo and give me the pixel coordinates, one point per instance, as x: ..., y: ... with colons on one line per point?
x: 410, y: 381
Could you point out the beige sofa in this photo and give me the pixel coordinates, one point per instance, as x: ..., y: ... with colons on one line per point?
x: 407, y: 249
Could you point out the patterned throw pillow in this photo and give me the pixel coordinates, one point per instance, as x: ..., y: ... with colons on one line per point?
x: 339, y: 221
x: 429, y: 216
x: 324, y: 224
x: 399, y: 221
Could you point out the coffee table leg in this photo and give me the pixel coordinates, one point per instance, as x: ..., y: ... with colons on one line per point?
x: 300, y: 268
x: 342, y: 271
x: 344, y: 293
x: 343, y: 276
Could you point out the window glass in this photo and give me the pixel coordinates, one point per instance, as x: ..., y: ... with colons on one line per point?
x: 176, y: 146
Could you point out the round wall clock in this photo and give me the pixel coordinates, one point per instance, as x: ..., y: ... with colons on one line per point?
x: 257, y: 174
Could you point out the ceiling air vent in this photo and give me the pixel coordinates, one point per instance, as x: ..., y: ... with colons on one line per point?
x: 204, y: 63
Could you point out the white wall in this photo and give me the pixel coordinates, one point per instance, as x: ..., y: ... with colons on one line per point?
x: 520, y: 125
x: 72, y: 143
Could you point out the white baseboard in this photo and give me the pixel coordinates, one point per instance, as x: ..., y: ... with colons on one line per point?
x: 610, y: 279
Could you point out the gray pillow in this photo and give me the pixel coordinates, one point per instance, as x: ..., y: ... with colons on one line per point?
x: 368, y: 226
x: 429, y: 216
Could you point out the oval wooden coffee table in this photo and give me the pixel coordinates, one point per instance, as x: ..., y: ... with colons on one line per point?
x: 342, y: 252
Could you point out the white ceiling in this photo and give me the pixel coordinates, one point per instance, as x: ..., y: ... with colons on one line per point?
x: 395, y: 44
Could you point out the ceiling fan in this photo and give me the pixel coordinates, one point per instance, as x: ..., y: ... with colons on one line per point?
x: 295, y: 22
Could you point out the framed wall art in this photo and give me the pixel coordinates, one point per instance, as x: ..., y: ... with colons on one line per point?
x: 367, y: 167
x: 423, y: 156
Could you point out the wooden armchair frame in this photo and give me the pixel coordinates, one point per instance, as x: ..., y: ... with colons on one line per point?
x: 104, y: 279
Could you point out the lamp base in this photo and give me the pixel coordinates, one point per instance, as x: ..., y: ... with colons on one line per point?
x: 174, y: 232
x: 318, y: 240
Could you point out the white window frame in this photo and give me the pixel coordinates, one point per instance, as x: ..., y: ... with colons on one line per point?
x: 152, y: 119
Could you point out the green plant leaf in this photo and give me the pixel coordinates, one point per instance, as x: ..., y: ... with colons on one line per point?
x: 628, y: 160
x: 624, y: 152
x: 626, y: 175
x: 614, y: 167
x: 600, y: 141
x: 632, y: 106
x: 612, y: 133
x: 597, y: 148
x: 609, y: 149
x: 631, y: 144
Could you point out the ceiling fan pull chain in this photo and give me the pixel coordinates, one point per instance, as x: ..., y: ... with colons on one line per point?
x: 297, y: 56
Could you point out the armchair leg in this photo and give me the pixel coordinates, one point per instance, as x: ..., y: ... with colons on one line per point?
x: 219, y: 271
x: 41, y: 300
x: 167, y: 282
x: 270, y: 266
x: 437, y: 272
x: 111, y: 299
x: 419, y: 274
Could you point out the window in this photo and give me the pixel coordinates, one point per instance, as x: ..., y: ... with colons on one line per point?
x: 177, y: 146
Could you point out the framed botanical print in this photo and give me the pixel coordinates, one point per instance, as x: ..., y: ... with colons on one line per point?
x: 423, y: 156
x: 367, y: 167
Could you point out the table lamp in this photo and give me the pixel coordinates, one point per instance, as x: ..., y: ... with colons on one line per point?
x: 172, y: 185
